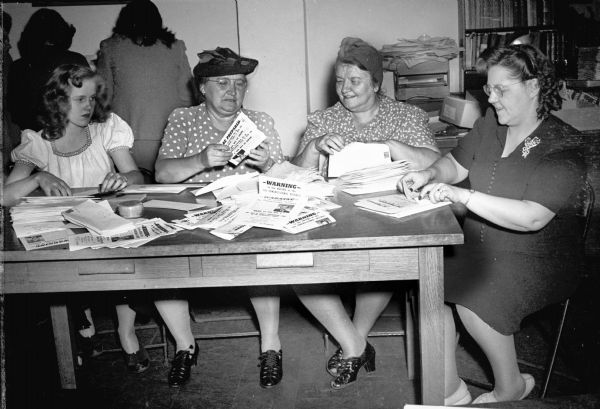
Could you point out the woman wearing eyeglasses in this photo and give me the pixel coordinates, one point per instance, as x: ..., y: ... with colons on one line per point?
x: 191, y: 153
x: 523, y: 239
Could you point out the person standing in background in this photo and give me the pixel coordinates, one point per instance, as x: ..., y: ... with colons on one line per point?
x: 43, y: 46
x: 147, y: 75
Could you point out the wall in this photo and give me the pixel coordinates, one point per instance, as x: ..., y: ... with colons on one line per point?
x: 296, y: 41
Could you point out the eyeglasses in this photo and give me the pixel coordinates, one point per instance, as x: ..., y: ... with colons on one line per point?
x: 499, y: 90
x: 225, y: 83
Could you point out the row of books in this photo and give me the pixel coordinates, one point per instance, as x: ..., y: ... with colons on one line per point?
x: 588, y: 63
x: 550, y: 42
x: 508, y: 13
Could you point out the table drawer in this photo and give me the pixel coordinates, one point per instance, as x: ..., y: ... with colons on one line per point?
x: 326, y: 266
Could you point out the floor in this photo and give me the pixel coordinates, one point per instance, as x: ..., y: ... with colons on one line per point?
x: 227, y: 372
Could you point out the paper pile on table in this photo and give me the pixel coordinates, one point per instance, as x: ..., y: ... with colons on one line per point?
x: 98, y: 218
x: 420, y: 50
x: 397, y: 205
x: 373, y: 179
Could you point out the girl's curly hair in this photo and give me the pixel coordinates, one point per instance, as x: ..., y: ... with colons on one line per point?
x: 56, y: 102
x: 526, y: 62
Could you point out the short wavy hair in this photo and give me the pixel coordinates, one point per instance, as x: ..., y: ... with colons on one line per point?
x: 525, y: 62
x: 56, y: 102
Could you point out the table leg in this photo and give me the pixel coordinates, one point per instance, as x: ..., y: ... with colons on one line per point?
x: 431, y: 324
x: 65, y: 352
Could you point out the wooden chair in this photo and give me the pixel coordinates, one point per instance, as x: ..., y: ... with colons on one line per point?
x: 396, y: 321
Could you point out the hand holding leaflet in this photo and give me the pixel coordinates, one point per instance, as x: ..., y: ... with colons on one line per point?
x: 242, y: 136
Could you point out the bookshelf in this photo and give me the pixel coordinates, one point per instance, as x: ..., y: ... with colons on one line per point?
x: 492, y: 23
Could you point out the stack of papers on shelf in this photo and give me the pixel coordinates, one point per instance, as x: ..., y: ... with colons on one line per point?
x: 358, y: 155
x: 415, y: 51
x: 374, y: 179
x: 397, y: 205
x: 98, y: 218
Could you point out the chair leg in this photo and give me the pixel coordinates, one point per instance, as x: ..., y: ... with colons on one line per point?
x: 550, y: 367
x: 409, y: 336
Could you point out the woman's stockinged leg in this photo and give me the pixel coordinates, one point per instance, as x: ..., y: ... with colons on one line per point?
x: 266, y: 301
x: 369, y: 306
x: 176, y: 315
x: 451, y: 379
x: 327, y: 307
x: 126, y: 329
x: 500, y: 352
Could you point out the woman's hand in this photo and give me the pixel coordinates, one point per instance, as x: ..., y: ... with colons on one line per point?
x: 52, y: 185
x: 411, y: 183
x: 260, y: 157
x: 112, y: 182
x: 215, y: 154
x: 441, y: 192
x: 330, y: 143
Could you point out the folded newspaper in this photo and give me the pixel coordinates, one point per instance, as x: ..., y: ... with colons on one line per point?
x: 242, y: 136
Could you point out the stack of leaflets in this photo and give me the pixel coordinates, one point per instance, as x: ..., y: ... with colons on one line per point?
x: 142, y: 232
x: 98, y: 218
x: 358, y: 155
x: 373, y: 179
x: 397, y: 205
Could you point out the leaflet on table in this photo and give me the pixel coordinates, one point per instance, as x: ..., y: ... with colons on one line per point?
x: 166, y: 204
x: 223, y: 182
x: 144, y: 231
x: 242, y: 136
x: 161, y: 188
x: 208, y: 219
x: 278, y: 202
x: 98, y: 218
x: 31, y: 229
x: 230, y: 231
x: 358, y: 155
x: 308, y: 220
x: 46, y: 239
x: 397, y: 205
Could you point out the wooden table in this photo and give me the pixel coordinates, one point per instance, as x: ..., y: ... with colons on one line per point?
x: 360, y: 246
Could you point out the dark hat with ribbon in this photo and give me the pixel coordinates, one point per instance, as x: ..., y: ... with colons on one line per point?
x: 356, y: 50
x: 222, y: 61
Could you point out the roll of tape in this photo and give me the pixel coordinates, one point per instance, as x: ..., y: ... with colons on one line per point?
x: 130, y: 209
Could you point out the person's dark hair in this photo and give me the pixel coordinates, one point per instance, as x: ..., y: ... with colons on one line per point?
x: 56, y: 102
x: 45, y: 27
x: 140, y: 21
x: 525, y: 62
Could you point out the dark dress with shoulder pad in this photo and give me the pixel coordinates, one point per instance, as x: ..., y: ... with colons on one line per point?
x: 504, y: 275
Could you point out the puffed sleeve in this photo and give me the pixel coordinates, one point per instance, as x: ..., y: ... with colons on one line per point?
x: 116, y: 134
x: 185, y: 82
x: 103, y: 66
x: 175, y: 137
x: 557, y: 180
x: 33, y: 150
x: 267, y: 125
x: 314, y: 128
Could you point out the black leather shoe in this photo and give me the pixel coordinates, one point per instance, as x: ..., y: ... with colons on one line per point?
x: 348, y: 371
x: 139, y: 361
x: 181, y: 366
x: 334, y: 362
x: 271, y: 370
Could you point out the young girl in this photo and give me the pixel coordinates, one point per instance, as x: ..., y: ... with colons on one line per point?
x: 80, y: 145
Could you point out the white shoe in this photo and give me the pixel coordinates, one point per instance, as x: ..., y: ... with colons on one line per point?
x: 489, y: 397
x: 461, y: 396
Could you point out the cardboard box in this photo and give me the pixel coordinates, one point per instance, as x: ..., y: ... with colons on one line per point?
x: 459, y: 111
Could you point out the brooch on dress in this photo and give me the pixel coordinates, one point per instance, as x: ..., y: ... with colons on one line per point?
x: 529, y: 144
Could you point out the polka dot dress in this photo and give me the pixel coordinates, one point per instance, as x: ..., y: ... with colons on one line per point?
x: 190, y: 130
x: 395, y: 120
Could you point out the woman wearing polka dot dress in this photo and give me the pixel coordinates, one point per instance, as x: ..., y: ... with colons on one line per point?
x: 363, y: 114
x: 191, y: 153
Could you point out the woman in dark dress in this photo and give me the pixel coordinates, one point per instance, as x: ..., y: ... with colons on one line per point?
x: 522, y: 237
